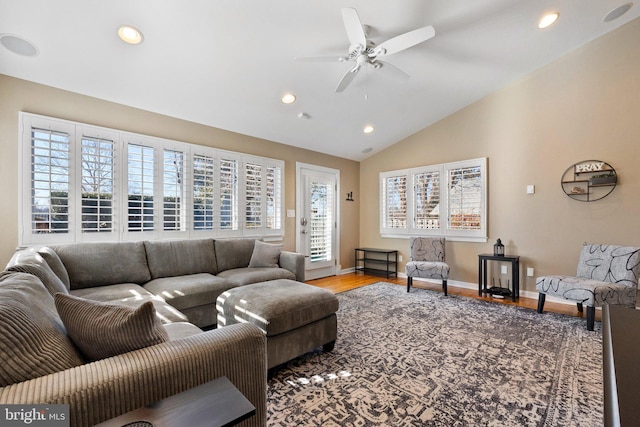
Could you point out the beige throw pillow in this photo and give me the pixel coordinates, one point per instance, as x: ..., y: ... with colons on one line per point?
x: 265, y: 255
x: 102, y: 330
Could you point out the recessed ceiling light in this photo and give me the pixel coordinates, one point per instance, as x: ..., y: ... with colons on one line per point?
x: 368, y: 129
x: 548, y: 20
x: 18, y: 45
x: 617, y: 12
x: 288, y: 98
x: 130, y: 34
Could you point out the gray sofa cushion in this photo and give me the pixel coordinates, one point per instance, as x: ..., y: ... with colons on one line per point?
x: 277, y: 306
x: 189, y: 291
x: 118, y: 292
x: 30, y: 261
x: 181, y: 330
x: 246, y: 276
x: 233, y: 253
x: 33, y: 339
x: 102, y: 330
x: 180, y: 257
x: 100, y: 264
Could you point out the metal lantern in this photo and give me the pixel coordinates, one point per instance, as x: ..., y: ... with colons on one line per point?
x: 498, y: 249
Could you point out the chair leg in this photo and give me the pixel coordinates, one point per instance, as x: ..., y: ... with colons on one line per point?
x: 444, y: 286
x: 541, y: 298
x: 580, y: 308
x: 409, y: 282
x: 591, y: 317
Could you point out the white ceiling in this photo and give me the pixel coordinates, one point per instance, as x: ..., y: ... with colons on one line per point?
x: 226, y: 63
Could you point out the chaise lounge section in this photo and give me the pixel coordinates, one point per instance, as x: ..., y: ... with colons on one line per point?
x: 178, y: 282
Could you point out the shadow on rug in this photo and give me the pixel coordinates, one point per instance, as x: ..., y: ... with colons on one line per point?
x: 423, y: 359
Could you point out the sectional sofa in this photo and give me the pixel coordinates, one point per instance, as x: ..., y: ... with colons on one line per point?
x: 47, y: 348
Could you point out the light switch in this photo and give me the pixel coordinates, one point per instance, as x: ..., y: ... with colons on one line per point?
x: 291, y: 213
x: 531, y: 189
x: 529, y: 271
x: 504, y: 269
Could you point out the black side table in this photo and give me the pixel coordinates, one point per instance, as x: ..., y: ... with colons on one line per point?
x: 515, y: 273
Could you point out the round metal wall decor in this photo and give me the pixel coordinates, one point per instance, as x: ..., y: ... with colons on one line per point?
x: 589, y: 180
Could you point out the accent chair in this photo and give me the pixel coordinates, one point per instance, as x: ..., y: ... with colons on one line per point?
x: 606, y: 274
x: 427, y: 261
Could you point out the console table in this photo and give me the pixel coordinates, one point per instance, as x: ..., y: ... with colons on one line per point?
x: 377, y: 261
x: 515, y: 275
x: 216, y: 403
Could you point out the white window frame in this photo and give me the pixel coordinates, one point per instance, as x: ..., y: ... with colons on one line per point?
x: 410, y: 229
x: 120, y: 231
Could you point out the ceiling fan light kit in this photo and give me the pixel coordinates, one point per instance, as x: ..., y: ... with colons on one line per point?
x: 365, y: 53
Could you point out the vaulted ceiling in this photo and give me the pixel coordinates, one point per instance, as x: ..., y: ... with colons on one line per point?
x: 227, y: 63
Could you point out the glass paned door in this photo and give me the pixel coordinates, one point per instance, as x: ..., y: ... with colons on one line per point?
x: 317, y: 223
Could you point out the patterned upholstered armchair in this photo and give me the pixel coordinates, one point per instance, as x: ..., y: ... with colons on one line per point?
x: 607, y: 274
x: 427, y: 261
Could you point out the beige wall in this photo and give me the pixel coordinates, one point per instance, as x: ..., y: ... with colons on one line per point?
x: 19, y: 95
x: 584, y: 106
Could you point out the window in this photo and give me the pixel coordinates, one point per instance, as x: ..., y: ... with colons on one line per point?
x: 50, y: 181
x: 439, y: 200
x: 83, y: 183
x: 97, y: 184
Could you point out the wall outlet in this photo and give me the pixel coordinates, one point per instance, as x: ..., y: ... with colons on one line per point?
x: 529, y: 271
x: 400, y: 258
x: 531, y: 189
x: 503, y: 269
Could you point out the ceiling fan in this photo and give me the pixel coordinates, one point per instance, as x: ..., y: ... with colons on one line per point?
x: 363, y: 52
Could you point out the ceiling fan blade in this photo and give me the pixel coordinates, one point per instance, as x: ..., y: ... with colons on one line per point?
x: 353, y: 25
x: 321, y: 59
x: 390, y: 70
x: 404, y: 41
x: 347, y: 78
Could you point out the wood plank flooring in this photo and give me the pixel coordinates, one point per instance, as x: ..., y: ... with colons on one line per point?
x: 347, y: 282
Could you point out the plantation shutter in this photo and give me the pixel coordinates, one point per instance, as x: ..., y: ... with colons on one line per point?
x: 394, y: 202
x: 273, y: 198
x: 253, y: 195
x: 49, y: 181
x: 97, y: 183
x: 203, y: 192
x: 427, y: 200
x: 173, y: 190
x: 228, y: 199
x: 140, y: 184
x: 321, y: 222
x: 465, y: 198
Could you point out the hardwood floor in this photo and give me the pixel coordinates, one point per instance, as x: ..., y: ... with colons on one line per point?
x: 347, y: 282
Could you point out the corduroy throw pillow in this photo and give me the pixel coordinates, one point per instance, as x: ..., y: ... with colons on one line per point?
x: 33, y: 340
x: 102, y: 330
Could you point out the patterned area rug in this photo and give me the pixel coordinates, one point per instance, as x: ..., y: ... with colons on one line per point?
x: 423, y: 359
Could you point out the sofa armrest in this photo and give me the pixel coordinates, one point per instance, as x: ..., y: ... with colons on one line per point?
x: 294, y: 262
x: 110, y: 387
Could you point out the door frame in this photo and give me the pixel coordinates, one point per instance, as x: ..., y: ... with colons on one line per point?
x: 300, y: 187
